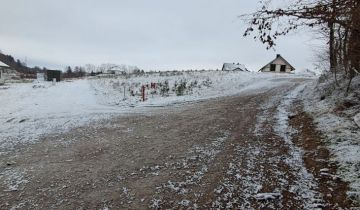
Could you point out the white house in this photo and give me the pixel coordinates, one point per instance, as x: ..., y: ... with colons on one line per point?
x: 234, y: 67
x: 279, y: 64
x: 6, y: 73
x: 3, y: 69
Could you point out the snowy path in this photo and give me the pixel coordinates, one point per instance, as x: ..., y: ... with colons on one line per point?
x: 231, y: 152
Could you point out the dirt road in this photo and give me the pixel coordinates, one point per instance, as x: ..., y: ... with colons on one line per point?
x: 221, y: 153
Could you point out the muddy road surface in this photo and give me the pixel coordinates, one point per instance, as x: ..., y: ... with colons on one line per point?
x: 240, y: 152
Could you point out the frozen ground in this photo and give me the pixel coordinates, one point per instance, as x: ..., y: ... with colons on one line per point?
x: 337, y: 116
x: 234, y: 150
x: 32, y: 109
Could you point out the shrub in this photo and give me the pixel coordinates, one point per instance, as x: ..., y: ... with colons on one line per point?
x: 164, y: 88
x: 180, y: 88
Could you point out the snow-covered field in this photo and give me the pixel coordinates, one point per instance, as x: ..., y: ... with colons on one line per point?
x: 30, y: 110
x: 178, y: 87
x: 337, y: 116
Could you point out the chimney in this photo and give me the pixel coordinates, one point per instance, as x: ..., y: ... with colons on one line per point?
x: 278, y: 55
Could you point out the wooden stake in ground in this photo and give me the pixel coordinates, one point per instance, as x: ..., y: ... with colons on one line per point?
x: 143, y: 92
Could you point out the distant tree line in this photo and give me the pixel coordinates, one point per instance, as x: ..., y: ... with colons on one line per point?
x: 69, y: 72
x: 106, y: 68
x: 337, y: 20
x: 77, y: 72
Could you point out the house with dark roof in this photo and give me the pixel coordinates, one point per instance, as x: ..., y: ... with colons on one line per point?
x: 278, y: 65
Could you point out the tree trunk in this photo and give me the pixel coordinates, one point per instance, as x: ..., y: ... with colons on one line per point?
x: 333, y: 63
x: 354, y: 43
x: 345, y: 50
x: 339, y: 48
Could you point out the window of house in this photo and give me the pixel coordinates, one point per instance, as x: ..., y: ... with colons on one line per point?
x: 272, y: 67
x: 283, y: 68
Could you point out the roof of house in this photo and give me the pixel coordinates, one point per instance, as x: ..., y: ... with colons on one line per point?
x: 279, y: 56
x: 3, y: 64
x: 233, y: 66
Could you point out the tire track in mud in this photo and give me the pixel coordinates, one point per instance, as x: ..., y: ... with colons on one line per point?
x: 299, y: 159
x: 317, y: 160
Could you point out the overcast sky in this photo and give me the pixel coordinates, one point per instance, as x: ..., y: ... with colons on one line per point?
x: 152, y: 34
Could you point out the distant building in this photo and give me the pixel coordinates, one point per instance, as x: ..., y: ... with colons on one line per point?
x: 53, y: 74
x: 116, y: 71
x: 234, y: 67
x: 7, y: 74
x: 3, y: 67
x: 279, y: 64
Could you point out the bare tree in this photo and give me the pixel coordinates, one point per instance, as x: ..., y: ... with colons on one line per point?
x: 90, y: 68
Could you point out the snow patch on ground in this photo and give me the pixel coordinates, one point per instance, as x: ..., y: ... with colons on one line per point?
x: 267, y: 196
x: 155, y: 203
x: 357, y: 120
x: 14, y: 179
